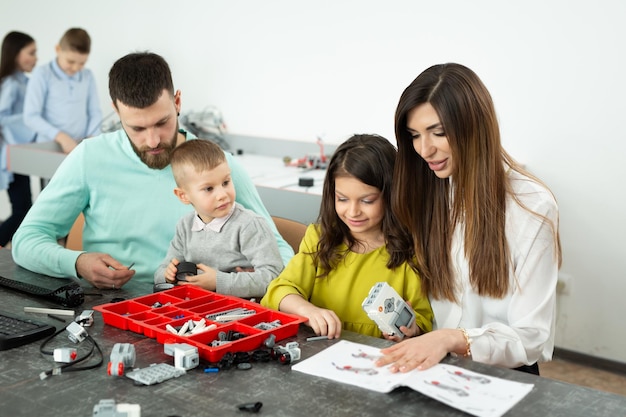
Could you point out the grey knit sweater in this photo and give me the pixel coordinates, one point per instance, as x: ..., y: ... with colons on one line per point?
x: 246, y: 240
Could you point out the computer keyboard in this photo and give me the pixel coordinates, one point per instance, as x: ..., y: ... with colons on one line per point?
x: 17, y: 331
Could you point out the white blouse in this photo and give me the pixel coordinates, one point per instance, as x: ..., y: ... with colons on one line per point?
x: 519, y: 328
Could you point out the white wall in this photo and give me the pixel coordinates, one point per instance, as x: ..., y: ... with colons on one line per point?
x: 293, y: 69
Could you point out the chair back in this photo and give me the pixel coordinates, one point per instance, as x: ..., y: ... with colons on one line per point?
x: 74, y: 239
x: 291, y: 230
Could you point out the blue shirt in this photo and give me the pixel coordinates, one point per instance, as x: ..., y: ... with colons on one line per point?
x: 14, y: 131
x: 56, y: 102
x: 130, y: 210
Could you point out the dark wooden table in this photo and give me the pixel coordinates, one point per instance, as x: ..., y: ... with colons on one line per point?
x: 282, y: 392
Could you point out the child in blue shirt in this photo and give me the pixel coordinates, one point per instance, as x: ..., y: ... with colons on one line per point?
x: 19, y: 56
x: 62, y: 99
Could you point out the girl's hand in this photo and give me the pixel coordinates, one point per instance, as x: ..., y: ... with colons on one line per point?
x: 412, y: 331
x: 170, y: 271
x: 323, y: 322
x: 422, y: 352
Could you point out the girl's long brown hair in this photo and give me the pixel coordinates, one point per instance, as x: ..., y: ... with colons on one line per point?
x: 432, y: 207
x: 370, y: 159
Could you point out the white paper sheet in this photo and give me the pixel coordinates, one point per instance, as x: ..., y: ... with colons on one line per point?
x: 477, y: 394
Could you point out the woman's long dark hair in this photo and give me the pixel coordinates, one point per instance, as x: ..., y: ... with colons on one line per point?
x: 12, y: 44
x: 370, y: 159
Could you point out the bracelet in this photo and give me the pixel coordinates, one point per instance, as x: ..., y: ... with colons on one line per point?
x: 468, y: 341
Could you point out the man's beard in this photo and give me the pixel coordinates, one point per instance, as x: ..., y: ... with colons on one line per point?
x: 160, y: 160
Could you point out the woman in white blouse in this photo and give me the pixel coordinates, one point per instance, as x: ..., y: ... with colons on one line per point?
x: 485, y: 231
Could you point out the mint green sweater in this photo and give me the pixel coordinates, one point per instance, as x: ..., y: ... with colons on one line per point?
x: 130, y: 210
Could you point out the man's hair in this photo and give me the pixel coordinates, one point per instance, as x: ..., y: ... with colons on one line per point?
x: 138, y: 79
x: 199, y: 154
x: 77, y: 40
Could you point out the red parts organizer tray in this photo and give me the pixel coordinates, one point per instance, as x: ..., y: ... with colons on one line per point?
x: 151, y: 314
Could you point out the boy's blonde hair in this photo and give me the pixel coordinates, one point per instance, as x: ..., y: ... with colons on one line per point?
x: 77, y: 40
x: 199, y: 154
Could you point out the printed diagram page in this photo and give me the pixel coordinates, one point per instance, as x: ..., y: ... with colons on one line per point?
x: 351, y: 363
x: 476, y: 394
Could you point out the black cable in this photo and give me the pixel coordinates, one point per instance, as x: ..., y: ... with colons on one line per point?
x: 46, y: 341
x: 70, y: 366
x: 92, y: 366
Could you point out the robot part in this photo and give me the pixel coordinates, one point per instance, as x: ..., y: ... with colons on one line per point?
x: 155, y: 373
x: 288, y: 353
x: 108, y: 408
x: 85, y: 318
x: 122, y: 358
x: 185, y: 356
x: 185, y: 269
x: 65, y: 355
x: 310, y: 162
x: 388, y: 309
x: 76, y: 332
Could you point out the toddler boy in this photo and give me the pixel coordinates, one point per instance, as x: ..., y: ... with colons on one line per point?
x: 233, y: 247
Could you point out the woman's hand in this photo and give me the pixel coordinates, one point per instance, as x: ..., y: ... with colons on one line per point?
x: 422, y: 352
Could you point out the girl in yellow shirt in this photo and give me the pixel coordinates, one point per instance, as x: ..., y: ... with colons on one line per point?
x: 355, y: 243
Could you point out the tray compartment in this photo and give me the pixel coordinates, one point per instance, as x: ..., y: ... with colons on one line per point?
x: 188, y: 292
x: 162, y: 334
x: 157, y: 300
x: 136, y: 322
x: 116, y: 314
x: 193, y: 303
x: 253, y: 339
x: 187, y: 302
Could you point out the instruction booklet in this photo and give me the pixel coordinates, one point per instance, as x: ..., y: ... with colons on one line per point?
x: 476, y: 394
